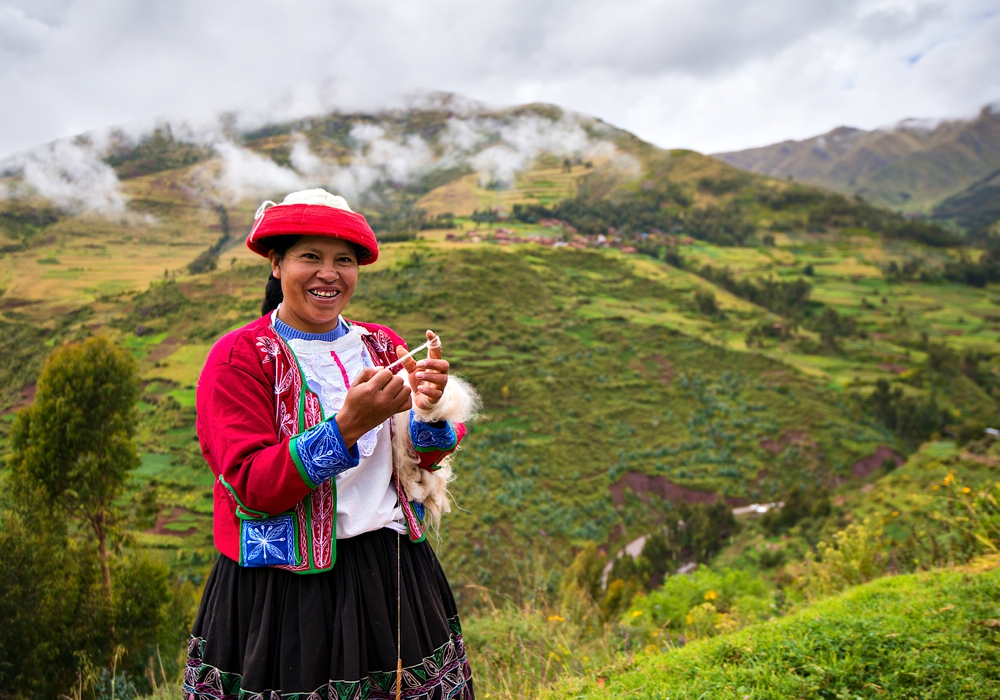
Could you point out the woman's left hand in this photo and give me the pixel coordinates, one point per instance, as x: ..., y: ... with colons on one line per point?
x: 429, y: 377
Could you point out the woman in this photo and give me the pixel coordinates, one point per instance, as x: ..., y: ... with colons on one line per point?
x: 329, y: 457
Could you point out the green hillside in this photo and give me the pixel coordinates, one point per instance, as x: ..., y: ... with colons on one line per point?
x: 652, y: 331
x: 913, y: 636
x: 668, y: 370
x: 977, y: 206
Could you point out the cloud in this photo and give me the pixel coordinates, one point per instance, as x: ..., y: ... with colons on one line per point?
x: 73, y: 172
x: 244, y: 174
x: 70, y: 173
x: 19, y: 33
x: 520, y: 143
x: 495, y: 148
x: 713, y: 75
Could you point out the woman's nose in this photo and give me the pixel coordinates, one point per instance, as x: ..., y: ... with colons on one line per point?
x: 328, y: 272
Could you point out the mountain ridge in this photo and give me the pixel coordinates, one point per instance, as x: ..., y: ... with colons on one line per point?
x: 911, y: 166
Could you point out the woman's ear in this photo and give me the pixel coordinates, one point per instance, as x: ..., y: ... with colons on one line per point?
x: 275, y: 261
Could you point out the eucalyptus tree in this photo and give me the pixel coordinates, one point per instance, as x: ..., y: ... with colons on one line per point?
x: 72, y: 450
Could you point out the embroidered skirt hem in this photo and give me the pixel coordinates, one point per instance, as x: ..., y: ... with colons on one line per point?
x: 270, y: 634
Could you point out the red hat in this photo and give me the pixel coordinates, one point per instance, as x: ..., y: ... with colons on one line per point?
x: 312, y: 213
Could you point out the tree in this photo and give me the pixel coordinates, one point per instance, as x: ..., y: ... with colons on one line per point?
x: 582, y: 585
x: 72, y: 449
x: 704, y: 299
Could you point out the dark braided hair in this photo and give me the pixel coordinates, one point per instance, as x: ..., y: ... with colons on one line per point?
x: 280, y: 245
x: 272, y: 293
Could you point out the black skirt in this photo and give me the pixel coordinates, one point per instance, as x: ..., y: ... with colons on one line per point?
x: 270, y: 634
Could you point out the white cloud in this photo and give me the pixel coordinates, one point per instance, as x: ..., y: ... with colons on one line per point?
x: 247, y: 174
x: 521, y: 142
x: 495, y: 148
x: 70, y: 173
x: 712, y: 75
x: 19, y: 33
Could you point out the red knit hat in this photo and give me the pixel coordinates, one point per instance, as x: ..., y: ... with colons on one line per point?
x: 312, y: 213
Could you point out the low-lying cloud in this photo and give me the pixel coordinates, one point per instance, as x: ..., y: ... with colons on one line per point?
x: 496, y: 148
x: 70, y: 173
x: 74, y: 174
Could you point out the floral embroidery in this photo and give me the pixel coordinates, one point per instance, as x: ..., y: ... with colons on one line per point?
x: 268, y: 347
x: 285, y: 421
x: 314, y: 413
x: 380, y: 348
x: 324, y: 505
x: 315, y: 514
x: 444, y: 675
x: 268, y: 542
x: 322, y: 452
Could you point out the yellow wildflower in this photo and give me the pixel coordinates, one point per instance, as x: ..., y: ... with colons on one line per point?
x: 636, y: 613
x: 555, y: 618
x: 711, y: 595
x: 966, y: 489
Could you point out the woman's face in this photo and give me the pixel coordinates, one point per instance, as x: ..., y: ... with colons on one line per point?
x: 318, y: 276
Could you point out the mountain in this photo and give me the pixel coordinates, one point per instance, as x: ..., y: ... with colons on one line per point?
x: 911, y: 166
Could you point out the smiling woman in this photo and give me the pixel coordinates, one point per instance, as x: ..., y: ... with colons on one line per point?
x: 319, y: 274
x: 327, y: 451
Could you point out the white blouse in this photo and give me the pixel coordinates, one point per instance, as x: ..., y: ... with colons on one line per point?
x: 366, y: 494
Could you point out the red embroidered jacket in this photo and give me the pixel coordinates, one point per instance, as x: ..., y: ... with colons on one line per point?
x: 252, y: 405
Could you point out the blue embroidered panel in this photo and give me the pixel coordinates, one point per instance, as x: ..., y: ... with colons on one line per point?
x: 418, y: 509
x: 268, y: 542
x: 426, y: 437
x: 323, y: 453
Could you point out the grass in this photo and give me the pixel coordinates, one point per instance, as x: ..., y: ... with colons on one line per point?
x: 928, y: 635
x: 540, y: 185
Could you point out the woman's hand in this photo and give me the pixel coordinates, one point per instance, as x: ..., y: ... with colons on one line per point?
x: 429, y: 377
x: 374, y: 396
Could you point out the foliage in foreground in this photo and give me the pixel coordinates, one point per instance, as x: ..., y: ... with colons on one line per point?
x: 591, y: 633
x: 919, y: 635
x: 74, y: 602
x: 72, y: 449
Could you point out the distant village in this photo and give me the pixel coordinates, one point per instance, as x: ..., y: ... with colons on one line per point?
x: 566, y: 236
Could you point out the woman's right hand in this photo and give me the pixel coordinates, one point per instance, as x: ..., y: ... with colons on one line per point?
x: 374, y: 396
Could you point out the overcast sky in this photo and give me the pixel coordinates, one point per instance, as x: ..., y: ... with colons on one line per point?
x: 705, y: 74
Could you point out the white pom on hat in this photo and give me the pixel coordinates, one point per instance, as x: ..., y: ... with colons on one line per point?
x: 318, y: 197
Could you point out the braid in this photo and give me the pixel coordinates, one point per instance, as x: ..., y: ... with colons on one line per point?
x: 272, y: 293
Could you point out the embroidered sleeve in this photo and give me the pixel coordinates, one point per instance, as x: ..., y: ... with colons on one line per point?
x: 320, y: 453
x: 427, y: 437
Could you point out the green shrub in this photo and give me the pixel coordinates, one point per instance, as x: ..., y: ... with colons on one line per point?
x: 801, y: 502
x: 704, y: 300
x: 855, y: 556
x: 687, y: 603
